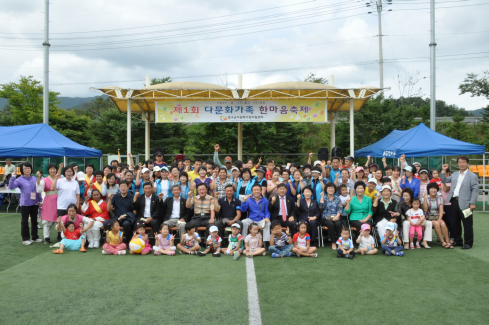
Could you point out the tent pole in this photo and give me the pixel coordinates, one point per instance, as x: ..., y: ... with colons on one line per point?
x: 332, y: 128
x: 240, y: 124
x: 147, y: 126
x: 128, y: 125
x: 64, y: 161
x: 352, y: 138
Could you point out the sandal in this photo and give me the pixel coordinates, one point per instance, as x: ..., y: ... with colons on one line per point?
x: 58, y: 251
x: 314, y: 255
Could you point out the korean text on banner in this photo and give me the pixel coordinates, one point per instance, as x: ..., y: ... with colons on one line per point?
x: 241, y: 111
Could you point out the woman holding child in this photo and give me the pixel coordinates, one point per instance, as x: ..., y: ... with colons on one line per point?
x: 404, y: 206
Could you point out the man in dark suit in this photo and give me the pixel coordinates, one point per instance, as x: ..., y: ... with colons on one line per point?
x: 147, y: 207
x: 282, y: 209
x: 463, y: 194
x: 175, y: 211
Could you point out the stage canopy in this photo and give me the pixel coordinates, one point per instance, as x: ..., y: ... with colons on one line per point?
x: 419, y: 141
x: 40, y: 140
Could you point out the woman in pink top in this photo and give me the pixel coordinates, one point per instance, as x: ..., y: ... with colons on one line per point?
x: 49, y: 213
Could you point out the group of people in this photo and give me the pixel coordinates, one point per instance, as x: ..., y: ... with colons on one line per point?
x: 288, y: 207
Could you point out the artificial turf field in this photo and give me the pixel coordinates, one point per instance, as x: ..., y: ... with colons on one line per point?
x: 436, y: 286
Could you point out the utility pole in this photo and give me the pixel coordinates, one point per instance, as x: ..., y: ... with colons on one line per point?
x: 381, y: 55
x: 46, y: 45
x: 432, y: 69
x: 379, y: 5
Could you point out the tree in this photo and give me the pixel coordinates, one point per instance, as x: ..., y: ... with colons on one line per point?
x: 477, y: 87
x: 163, y: 80
x: 95, y: 107
x: 311, y: 77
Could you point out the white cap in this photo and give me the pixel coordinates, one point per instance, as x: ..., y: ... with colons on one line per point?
x: 144, y: 170
x: 156, y: 168
x: 317, y: 162
x: 213, y: 228
x: 386, y: 187
x: 372, y: 180
x: 80, y: 176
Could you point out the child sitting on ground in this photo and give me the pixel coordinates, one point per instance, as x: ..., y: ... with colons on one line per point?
x: 235, y: 247
x: 254, y: 242
x: 416, y: 217
x: 391, y: 244
x: 367, y: 242
x: 280, y: 242
x: 164, y: 242
x: 345, y: 245
x: 113, y: 238
x: 213, y: 243
x: 141, y: 233
x: 302, y: 242
x: 74, y: 239
x: 189, y: 243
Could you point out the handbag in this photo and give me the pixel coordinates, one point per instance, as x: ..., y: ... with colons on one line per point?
x: 432, y: 216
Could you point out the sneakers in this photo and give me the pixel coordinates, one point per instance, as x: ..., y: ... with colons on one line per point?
x: 417, y: 245
x: 121, y: 252
x: 411, y: 246
x: 181, y: 253
x: 104, y: 252
x: 350, y: 256
x: 47, y: 240
x: 289, y: 254
x: 249, y: 255
x: 39, y: 227
x: 387, y: 253
x: 200, y: 253
x: 90, y: 245
x: 315, y: 255
x: 216, y: 254
x: 235, y: 255
x: 96, y: 244
x: 39, y: 240
x: 26, y: 242
x: 275, y: 255
x: 298, y: 255
x: 83, y: 250
x: 399, y: 254
x: 156, y: 253
x: 264, y: 253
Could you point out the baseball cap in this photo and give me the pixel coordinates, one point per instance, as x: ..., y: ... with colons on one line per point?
x: 228, y: 159
x: 213, y: 228
x: 80, y: 176
x: 372, y: 180
x: 350, y: 158
x: 144, y: 170
x: 156, y: 169
x: 391, y: 226
x: 408, y: 168
x: 236, y: 225
x: 416, y: 163
x: 365, y: 226
x: 386, y: 187
x: 261, y: 169
x: 162, y: 168
x: 317, y: 162
x: 359, y: 168
x: 235, y: 168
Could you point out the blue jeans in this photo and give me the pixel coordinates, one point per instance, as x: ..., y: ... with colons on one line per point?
x: 280, y: 250
x: 340, y: 252
x: 391, y: 250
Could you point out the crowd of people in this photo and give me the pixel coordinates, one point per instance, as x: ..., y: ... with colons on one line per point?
x: 169, y: 206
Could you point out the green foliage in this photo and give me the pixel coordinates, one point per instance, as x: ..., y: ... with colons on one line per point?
x: 477, y: 87
x: 311, y: 77
x: 163, y: 80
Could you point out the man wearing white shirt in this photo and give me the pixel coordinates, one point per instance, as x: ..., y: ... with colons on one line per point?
x: 175, y: 210
x: 462, y: 196
x: 282, y: 209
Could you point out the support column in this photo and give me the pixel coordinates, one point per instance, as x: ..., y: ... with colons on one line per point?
x: 147, y: 127
x: 333, y: 130
x: 240, y: 125
x: 128, y: 125
x: 352, y: 134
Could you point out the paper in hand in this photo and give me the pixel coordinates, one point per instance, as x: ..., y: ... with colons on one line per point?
x: 467, y: 212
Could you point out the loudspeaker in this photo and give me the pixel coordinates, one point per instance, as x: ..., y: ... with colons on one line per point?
x: 323, y: 154
x: 336, y: 152
x: 157, y: 149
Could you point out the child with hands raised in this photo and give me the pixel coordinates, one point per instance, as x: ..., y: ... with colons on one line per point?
x: 74, y: 238
x: 189, y: 244
x: 280, y: 242
x: 366, y: 241
x: 254, y: 242
x: 141, y: 233
x: 164, y: 242
x: 213, y: 243
x: 114, y: 240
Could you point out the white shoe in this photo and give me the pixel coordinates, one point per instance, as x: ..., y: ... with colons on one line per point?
x: 121, y: 253
x: 26, y: 242
x: 39, y: 227
x: 104, y: 252
x: 39, y: 240
x: 96, y: 244
x: 90, y: 245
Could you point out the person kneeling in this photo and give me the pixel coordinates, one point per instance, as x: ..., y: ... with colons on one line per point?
x: 74, y: 238
x: 280, y: 242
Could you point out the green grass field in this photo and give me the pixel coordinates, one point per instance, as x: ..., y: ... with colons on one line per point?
x: 425, y: 286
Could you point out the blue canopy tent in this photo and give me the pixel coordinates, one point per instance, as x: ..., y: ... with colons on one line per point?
x: 40, y: 140
x: 421, y: 141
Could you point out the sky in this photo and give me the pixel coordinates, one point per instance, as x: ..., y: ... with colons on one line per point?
x: 117, y: 43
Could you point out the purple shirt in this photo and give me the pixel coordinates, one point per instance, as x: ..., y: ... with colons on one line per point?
x: 27, y: 185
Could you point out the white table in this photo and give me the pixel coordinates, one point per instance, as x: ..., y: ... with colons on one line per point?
x: 6, y: 190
